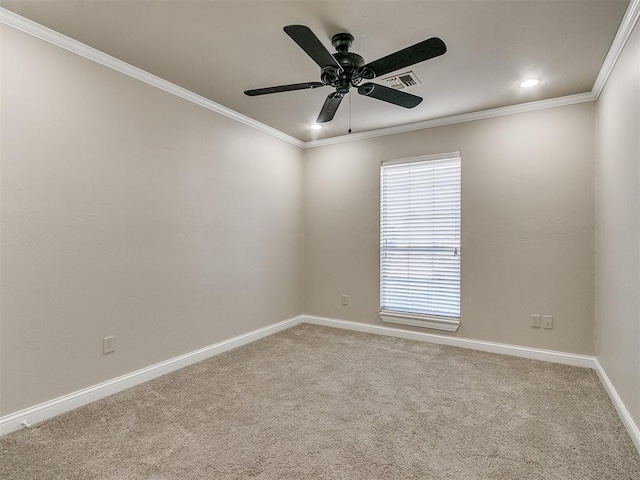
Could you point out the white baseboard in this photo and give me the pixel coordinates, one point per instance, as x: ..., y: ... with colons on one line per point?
x: 502, y: 348
x: 46, y: 410
x: 50, y: 409
x: 623, y: 413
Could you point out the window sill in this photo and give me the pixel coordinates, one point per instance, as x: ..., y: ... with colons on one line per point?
x: 426, y: 321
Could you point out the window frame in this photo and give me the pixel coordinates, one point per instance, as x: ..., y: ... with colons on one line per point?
x: 418, y: 319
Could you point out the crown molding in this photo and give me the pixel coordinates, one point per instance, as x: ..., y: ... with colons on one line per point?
x: 464, y: 117
x: 623, y: 33
x: 32, y: 28
x: 629, y: 21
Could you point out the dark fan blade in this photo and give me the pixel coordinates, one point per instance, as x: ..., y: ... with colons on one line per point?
x: 407, y: 56
x: 308, y: 42
x: 283, y: 88
x: 329, y: 108
x: 390, y: 95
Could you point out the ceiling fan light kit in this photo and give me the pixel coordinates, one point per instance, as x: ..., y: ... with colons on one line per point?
x: 344, y: 70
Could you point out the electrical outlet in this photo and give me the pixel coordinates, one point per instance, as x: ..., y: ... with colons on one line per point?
x: 535, y: 321
x: 547, y: 321
x: 108, y: 344
x: 345, y: 300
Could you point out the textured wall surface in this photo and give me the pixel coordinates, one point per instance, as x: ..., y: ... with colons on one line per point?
x: 128, y: 211
x: 618, y: 227
x: 527, y: 225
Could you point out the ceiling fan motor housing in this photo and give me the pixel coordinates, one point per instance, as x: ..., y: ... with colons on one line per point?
x: 342, y: 41
x: 349, y: 61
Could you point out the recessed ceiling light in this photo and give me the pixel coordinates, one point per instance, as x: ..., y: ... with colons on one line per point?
x: 532, y: 82
x: 315, y: 126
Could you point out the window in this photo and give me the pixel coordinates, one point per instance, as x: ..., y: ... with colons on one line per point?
x: 420, y: 241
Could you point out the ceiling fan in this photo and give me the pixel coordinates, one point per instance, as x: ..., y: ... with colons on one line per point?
x: 344, y: 69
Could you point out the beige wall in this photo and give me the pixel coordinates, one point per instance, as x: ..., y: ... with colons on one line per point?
x: 618, y: 227
x: 527, y: 225
x: 129, y: 211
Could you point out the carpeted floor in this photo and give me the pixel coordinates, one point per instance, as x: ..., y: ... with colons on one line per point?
x: 318, y: 403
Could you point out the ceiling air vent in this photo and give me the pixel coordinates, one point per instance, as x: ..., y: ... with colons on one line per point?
x: 402, y: 80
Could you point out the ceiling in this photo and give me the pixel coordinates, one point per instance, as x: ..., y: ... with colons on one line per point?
x: 218, y: 49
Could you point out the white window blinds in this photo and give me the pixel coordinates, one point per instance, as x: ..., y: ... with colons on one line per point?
x: 420, y: 237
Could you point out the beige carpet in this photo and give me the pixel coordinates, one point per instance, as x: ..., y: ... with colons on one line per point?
x: 319, y: 403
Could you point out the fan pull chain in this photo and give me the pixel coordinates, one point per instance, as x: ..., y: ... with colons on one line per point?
x: 349, y: 112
